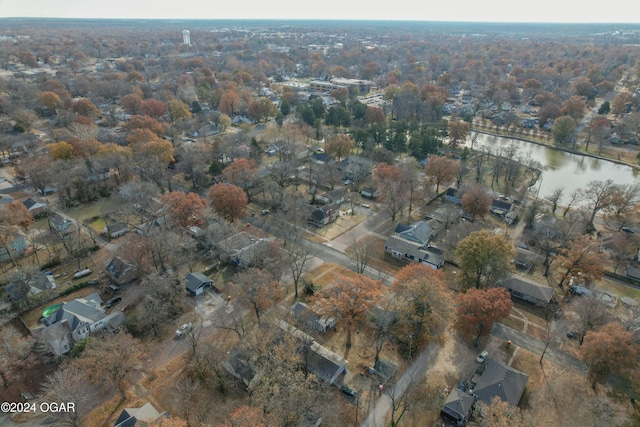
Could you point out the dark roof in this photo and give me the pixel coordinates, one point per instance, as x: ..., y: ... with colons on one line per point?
x: 385, y: 369
x: 322, y: 157
x: 502, y: 381
x: 195, y: 280
x: 32, y: 201
x: 118, y: 267
x: 500, y: 204
x: 458, y: 404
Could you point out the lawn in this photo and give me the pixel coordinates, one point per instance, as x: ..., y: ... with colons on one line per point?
x: 32, y: 317
x: 325, y: 274
x: 341, y: 225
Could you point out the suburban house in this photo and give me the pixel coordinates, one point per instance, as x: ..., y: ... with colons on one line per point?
x: 74, y: 321
x: 99, y: 175
x: 310, y: 318
x: 418, y: 232
x: 323, y: 215
x: 240, y: 365
x: 116, y: 230
x: 59, y: 224
x: 524, y: 258
x: 121, y: 272
x: 17, y: 245
x: 36, y: 206
x: 39, y: 283
x: 527, y: 290
x: 321, y: 361
x: 321, y: 158
x: 632, y: 272
x: 163, y: 222
x: 142, y: 416
x: 458, y: 407
x: 503, y: 209
x: 499, y: 380
x: 454, y: 196
x: 197, y: 283
x: 335, y: 196
x: 369, y: 193
x: 409, y: 251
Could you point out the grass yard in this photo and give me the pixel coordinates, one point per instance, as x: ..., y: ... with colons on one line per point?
x: 341, y: 225
x: 325, y: 274
x: 32, y: 317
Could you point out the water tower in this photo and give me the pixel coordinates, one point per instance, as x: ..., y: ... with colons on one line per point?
x: 186, y: 37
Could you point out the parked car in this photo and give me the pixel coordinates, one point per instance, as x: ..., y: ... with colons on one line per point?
x: 264, y: 212
x: 463, y: 385
x: 579, y: 290
x: 348, y: 391
x: 482, y: 357
x: 571, y: 334
x: 183, y: 329
x: 112, y: 302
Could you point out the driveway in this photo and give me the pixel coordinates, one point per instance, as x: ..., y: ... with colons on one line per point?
x: 536, y: 346
x: 415, y: 374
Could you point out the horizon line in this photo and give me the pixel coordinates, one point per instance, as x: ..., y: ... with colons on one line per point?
x: 321, y: 20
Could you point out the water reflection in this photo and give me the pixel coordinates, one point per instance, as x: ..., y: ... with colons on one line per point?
x: 570, y: 171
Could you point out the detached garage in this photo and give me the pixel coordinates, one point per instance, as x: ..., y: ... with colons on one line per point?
x: 197, y: 283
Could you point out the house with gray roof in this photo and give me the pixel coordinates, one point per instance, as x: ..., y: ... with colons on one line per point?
x: 310, y: 318
x: 197, y: 283
x: 499, y: 380
x: 321, y: 361
x: 527, y: 290
x: 36, y: 206
x: 59, y: 224
x: 418, y: 232
x: 323, y: 215
x: 74, y: 321
x: 408, y: 251
x: 121, y: 271
x: 458, y: 407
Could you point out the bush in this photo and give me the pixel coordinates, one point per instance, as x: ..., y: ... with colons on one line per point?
x: 73, y: 288
x: 53, y: 262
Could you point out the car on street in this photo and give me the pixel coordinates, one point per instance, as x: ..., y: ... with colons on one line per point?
x: 183, y: 329
x: 482, y: 357
x: 112, y: 302
x: 264, y: 212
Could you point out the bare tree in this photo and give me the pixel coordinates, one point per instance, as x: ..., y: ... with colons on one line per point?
x: 67, y: 385
x: 554, y: 198
x: 599, y: 194
x: 363, y: 251
x: 573, y: 198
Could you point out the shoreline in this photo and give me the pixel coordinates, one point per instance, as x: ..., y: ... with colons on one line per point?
x: 559, y: 148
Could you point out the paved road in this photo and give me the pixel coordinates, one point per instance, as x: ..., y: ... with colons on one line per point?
x: 536, y: 346
x: 416, y: 372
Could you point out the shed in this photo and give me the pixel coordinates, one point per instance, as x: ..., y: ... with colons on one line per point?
x: 197, y: 283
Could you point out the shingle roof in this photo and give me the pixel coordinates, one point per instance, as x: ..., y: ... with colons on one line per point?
x: 527, y: 287
x: 195, y: 280
x: 458, y: 404
x: 502, y: 381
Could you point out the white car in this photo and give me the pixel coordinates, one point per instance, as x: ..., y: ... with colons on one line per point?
x: 482, y: 357
x: 184, y: 329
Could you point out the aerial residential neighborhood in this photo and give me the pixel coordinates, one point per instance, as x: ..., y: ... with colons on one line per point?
x: 319, y: 223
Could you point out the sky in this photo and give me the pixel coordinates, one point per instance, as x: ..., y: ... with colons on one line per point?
x: 613, y: 11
